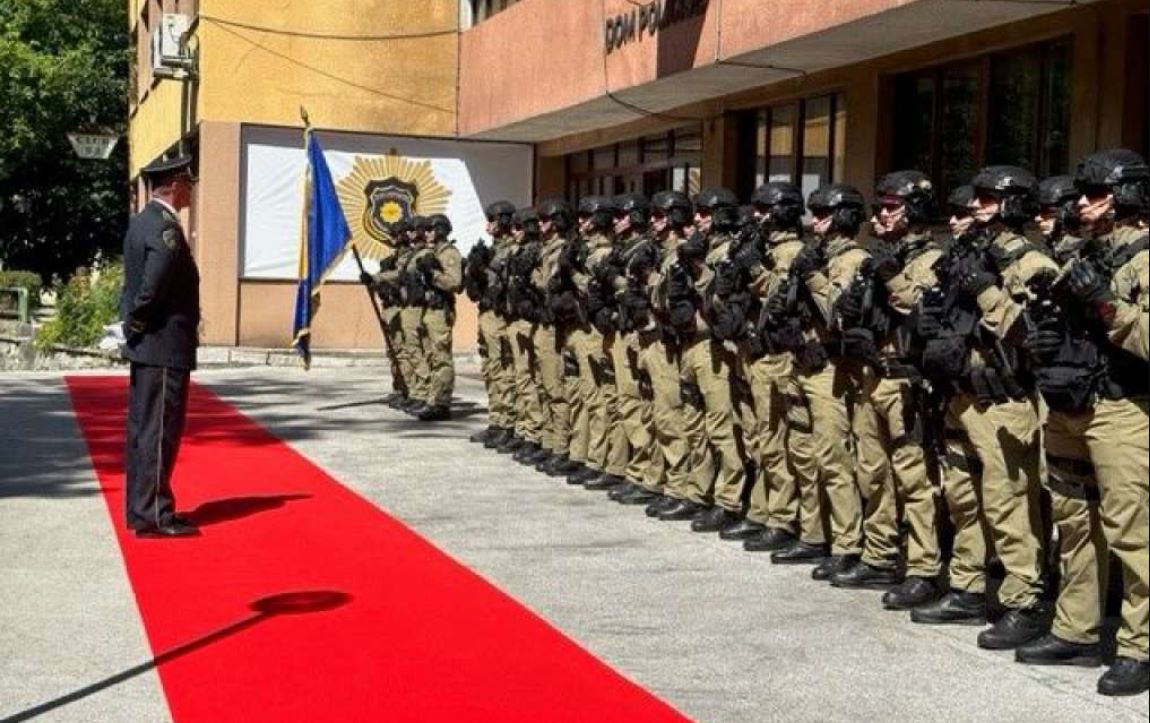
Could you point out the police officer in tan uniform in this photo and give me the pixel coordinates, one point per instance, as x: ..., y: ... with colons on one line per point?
x: 888, y: 420
x: 417, y: 372
x: 992, y: 416
x: 775, y: 502
x: 1087, y: 334
x: 441, y: 269
x: 484, y: 280
x: 385, y: 284
x: 1057, y: 217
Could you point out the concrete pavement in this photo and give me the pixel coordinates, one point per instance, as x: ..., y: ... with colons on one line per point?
x: 721, y: 634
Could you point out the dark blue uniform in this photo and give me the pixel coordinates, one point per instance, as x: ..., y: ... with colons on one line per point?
x: 160, y: 309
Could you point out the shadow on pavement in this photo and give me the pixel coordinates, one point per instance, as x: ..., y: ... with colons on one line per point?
x: 235, y: 508
x: 288, y: 603
x: 42, y: 453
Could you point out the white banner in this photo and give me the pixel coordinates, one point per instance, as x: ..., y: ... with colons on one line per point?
x: 379, y: 178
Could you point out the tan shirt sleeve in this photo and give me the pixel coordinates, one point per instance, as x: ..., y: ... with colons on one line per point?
x: 450, y: 276
x: 828, y: 286
x: 1130, y: 327
x: 1001, y: 307
x: 905, y: 289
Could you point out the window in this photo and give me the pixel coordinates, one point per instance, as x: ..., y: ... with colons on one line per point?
x: 1005, y: 108
x: 802, y: 142
x: 483, y: 9
x: 670, y: 160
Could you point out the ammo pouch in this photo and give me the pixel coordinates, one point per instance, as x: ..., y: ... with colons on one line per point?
x: 946, y: 357
x: 992, y: 387
x: 811, y: 357
x: 564, y: 307
x: 437, y: 299
x: 1126, y: 375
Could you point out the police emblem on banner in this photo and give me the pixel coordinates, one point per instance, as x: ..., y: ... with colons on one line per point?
x: 381, y: 191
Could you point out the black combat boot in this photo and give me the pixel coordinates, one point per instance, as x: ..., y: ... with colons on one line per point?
x: 1053, y: 650
x: 956, y: 607
x: 526, y: 452
x: 863, y: 575
x: 769, y: 540
x: 913, y: 591
x: 512, y: 445
x: 681, y: 510
x: 624, y: 489
x: 741, y: 529
x: 536, y: 458
x: 659, y: 505
x: 1125, y: 677
x: 434, y: 413
x: 498, y: 439
x: 1013, y: 629
x: 604, y: 481
x: 800, y: 553
x: 714, y: 520
x: 639, y: 495
x: 833, y: 565
x: 483, y: 435
x: 583, y: 475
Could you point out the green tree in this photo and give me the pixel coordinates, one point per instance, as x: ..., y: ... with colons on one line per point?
x: 63, y: 65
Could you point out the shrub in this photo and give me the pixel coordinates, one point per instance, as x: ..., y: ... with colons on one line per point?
x: 20, y: 280
x: 84, y: 308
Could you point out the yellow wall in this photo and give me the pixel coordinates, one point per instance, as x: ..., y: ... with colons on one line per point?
x: 259, y: 62
x: 391, y: 86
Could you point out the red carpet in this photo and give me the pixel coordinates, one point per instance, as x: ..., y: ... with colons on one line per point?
x: 420, y: 637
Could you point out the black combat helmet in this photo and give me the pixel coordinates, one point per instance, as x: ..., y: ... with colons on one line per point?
x: 527, y: 218
x: 635, y: 207
x: 959, y: 201
x: 1120, y: 171
x: 844, y: 204
x: 420, y: 224
x: 440, y: 224
x: 914, y: 190
x: 558, y: 212
x: 500, y: 213
x: 782, y: 203
x: 599, y: 209
x: 723, y: 206
x: 1015, y: 188
x: 675, y: 206
x: 1059, y: 195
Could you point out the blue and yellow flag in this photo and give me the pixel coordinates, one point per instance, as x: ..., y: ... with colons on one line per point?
x: 323, y: 239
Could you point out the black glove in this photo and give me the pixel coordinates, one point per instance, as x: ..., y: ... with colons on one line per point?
x: 366, y: 279
x: 849, y: 308
x: 975, y: 282
x: 695, y: 248
x: 681, y: 314
x: 777, y: 306
x: 427, y: 263
x: 726, y: 276
x: 886, y: 265
x: 569, y: 259
x: 807, y: 261
x: 634, y: 301
x: 1087, y: 284
x: 749, y: 256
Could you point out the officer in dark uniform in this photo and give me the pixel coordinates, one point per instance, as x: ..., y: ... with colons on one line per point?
x: 160, y: 310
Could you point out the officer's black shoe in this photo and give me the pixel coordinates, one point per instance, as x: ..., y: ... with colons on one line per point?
x: 1013, y: 629
x: 483, y: 435
x: 659, y: 505
x: 714, y: 520
x: 1125, y: 677
x: 800, y: 553
x: 681, y: 510
x: 833, y: 565
x: 539, y: 456
x: 512, y: 444
x: 525, y: 452
x: 639, y: 496
x: 559, y: 466
x: 956, y: 607
x: 436, y: 413
x: 174, y: 528
x: 913, y: 591
x: 769, y: 540
x: 624, y: 489
x: 605, y: 481
x: 864, y: 575
x: 501, y: 436
x: 1053, y: 650
x: 584, y: 475
x: 741, y: 530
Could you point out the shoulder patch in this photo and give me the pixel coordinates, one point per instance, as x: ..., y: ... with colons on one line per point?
x: 171, y: 238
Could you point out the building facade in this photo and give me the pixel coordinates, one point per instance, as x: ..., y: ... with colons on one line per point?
x: 616, y: 95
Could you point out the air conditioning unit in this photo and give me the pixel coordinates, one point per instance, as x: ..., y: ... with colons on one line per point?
x: 168, y: 47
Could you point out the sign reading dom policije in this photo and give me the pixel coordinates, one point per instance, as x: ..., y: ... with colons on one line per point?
x: 380, y: 180
x: 649, y: 18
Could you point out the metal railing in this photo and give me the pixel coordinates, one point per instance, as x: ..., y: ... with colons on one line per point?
x: 23, y: 307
